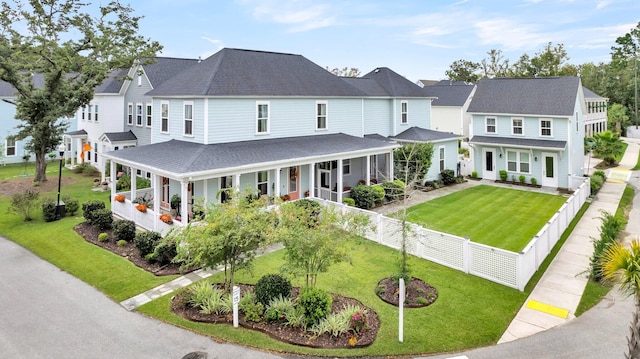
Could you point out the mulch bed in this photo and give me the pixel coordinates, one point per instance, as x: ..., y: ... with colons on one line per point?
x: 285, y: 333
x: 90, y: 234
x: 12, y: 186
x: 388, y: 291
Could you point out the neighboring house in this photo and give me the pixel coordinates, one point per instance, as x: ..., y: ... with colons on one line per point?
x: 423, y: 83
x: 120, y: 113
x: 529, y: 126
x: 274, y: 122
x: 14, y: 150
x: 595, y: 119
x: 449, y: 108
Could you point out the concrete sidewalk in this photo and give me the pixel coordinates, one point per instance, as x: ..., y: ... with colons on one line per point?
x: 555, y: 298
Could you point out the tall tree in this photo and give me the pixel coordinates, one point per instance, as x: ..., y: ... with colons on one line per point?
x: 345, y: 71
x: 617, y: 119
x: 464, y: 70
x: 624, y: 70
x: 58, y: 43
x: 495, y: 65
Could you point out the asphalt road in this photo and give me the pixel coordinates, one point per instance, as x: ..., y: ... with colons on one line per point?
x: 47, y: 313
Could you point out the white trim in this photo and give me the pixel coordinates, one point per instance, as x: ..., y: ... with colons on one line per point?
x: 130, y: 113
x: 139, y: 115
x: 185, y: 118
x: 404, y: 112
x: 268, y: 118
x: 518, y: 161
x: 550, y: 120
x: 513, y: 119
x: 6, y: 147
x: 148, y: 115
x: 266, y: 182
x: 206, y: 121
x: 442, y: 154
x: 162, y: 103
x: 326, y: 115
x: 495, y: 125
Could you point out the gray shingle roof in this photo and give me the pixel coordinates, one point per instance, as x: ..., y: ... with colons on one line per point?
x: 519, y: 142
x: 165, y: 68
x: 417, y: 134
x: 367, y: 85
x: 236, y: 72
x: 547, y: 96
x: 188, y: 158
x: 120, y: 136
x: 449, y: 94
x: 591, y: 95
x: 393, y: 84
x: 113, y: 83
x: 7, y: 90
x: 77, y: 133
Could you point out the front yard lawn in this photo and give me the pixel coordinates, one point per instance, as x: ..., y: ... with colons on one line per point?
x: 498, y: 217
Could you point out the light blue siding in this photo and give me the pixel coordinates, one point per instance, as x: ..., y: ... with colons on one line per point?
x: 450, y: 159
x: 135, y: 94
x: 377, y: 116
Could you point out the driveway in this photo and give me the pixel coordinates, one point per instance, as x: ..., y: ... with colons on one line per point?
x: 47, y: 313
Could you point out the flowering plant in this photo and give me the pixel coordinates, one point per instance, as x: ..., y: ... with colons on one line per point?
x: 141, y: 207
x: 119, y: 198
x: 166, y: 218
x: 358, y: 322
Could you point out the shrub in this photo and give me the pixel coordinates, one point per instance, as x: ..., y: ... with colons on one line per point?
x: 422, y: 300
x: 271, y: 286
x: 534, y: 181
x: 146, y: 241
x: 314, y: 304
x: 609, y: 230
x: 103, y: 237
x: 146, y: 199
x: 522, y: 179
x: 601, y: 174
x: 448, y: 177
x: 349, y: 201
x: 311, y: 208
x: 124, y: 230
x: 334, y: 324
x: 102, y: 218
x: 474, y: 174
x: 380, y: 193
x: 596, y: 184
x: 71, y: 205
x: 392, y: 190
x: 164, y: 252
x: 503, y: 175
x: 89, y: 207
x: 251, y: 308
x: 49, y: 210
x: 24, y: 203
x: 364, y: 196
x: 121, y: 243
x: 278, y: 309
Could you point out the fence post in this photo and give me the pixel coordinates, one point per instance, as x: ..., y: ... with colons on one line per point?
x: 466, y: 255
x: 379, y: 228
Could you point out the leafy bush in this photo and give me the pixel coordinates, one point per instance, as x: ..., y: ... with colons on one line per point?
x: 85, y: 168
x: 251, y: 308
x: 24, y: 203
x: 380, y: 193
x: 271, y: 286
x: 89, y: 207
x: 596, y: 184
x: 335, y: 324
x: 314, y: 304
x: 503, y: 175
x: 522, y: 179
x: 448, y: 177
x: 534, y: 181
x: 124, y: 230
x: 49, y: 210
x: 103, y: 237
x: 278, y: 309
x: 609, y: 231
x: 474, y: 174
x: 164, y: 252
x: 311, y: 209
x: 349, y: 201
x: 146, y: 199
x: 121, y: 243
x: 393, y: 190
x: 71, y: 205
x: 364, y: 196
x: 102, y: 218
x: 601, y: 174
x: 147, y: 241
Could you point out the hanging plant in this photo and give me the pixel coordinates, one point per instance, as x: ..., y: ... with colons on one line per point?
x: 142, y: 208
x: 119, y: 198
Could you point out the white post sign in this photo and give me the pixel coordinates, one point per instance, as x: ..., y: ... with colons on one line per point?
x: 236, y: 300
x: 401, y: 312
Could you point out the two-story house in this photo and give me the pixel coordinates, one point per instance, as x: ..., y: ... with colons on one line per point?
x: 274, y: 122
x: 529, y: 126
x: 450, y: 104
x: 595, y: 119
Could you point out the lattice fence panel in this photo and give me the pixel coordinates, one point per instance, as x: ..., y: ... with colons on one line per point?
x: 493, y: 264
x: 443, y: 248
x: 392, y: 233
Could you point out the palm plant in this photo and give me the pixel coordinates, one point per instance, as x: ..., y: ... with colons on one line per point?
x: 622, y: 266
x: 608, y: 146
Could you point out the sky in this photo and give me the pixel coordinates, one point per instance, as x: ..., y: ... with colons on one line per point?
x: 418, y: 39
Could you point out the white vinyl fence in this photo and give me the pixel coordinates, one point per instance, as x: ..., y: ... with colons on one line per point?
x: 498, y: 265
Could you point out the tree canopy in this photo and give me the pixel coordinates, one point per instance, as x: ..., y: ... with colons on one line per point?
x: 54, y: 53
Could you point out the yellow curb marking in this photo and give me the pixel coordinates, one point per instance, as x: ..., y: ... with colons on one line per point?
x: 549, y: 309
x: 615, y: 181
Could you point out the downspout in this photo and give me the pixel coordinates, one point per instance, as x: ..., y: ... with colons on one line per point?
x: 394, y: 118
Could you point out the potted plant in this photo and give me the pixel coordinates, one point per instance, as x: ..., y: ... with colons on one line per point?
x: 119, y: 198
x: 175, y: 202
x: 166, y: 218
x: 105, y: 185
x: 142, y: 208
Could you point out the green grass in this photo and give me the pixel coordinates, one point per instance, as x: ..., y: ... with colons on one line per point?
x: 499, y: 217
x: 58, y: 243
x: 637, y: 167
x: 625, y: 203
x: 618, y: 157
x: 593, y: 294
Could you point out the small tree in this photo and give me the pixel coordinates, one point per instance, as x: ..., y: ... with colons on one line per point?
x: 230, y: 235
x: 24, y: 203
x: 608, y: 146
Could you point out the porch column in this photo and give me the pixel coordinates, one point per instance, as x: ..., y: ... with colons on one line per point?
x: 367, y: 176
x: 205, y: 195
x: 339, y: 187
x: 113, y: 178
x: 134, y: 178
x: 390, y: 165
x: 157, y: 184
x: 312, y: 180
x: 184, y: 201
x: 236, y: 183
x: 278, y: 175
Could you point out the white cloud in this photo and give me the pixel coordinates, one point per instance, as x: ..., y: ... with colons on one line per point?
x: 603, y: 4
x: 301, y: 15
x: 509, y: 35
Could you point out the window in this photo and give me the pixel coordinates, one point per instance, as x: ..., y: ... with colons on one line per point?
x: 516, y: 126
x: 89, y: 112
x: 164, y: 117
x: 404, y: 105
x: 130, y: 114
x: 10, y: 147
x: 139, y: 79
x: 83, y: 113
x: 441, y: 158
x: 490, y: 125
x: 148, y: 114
x: 89, y: 152
x: 139, y: 114
x: 545, y: 127
x: 95, y: 153
x: 321, y: 115
x: 96, y: 112
x: 263, y: 182
x: 262, y: 120
x: 346, y: 167
x: 188, y: 118
x: 518, y: 161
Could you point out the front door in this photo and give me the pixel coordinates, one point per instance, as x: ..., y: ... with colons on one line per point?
x: 549, y: 170
x: 294, y: 182
x: 488, y: 163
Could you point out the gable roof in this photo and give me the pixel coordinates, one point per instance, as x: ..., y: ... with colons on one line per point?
x: 449, y: 93
x: 519, y: 142
x: 390, y: 82
x: 237, y: 72
x: 184, y: 159
x: 112, y: 137
x: 547, y: 96
x: 591, y: 95
x: 417, y: 134
x: 165, y: 68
